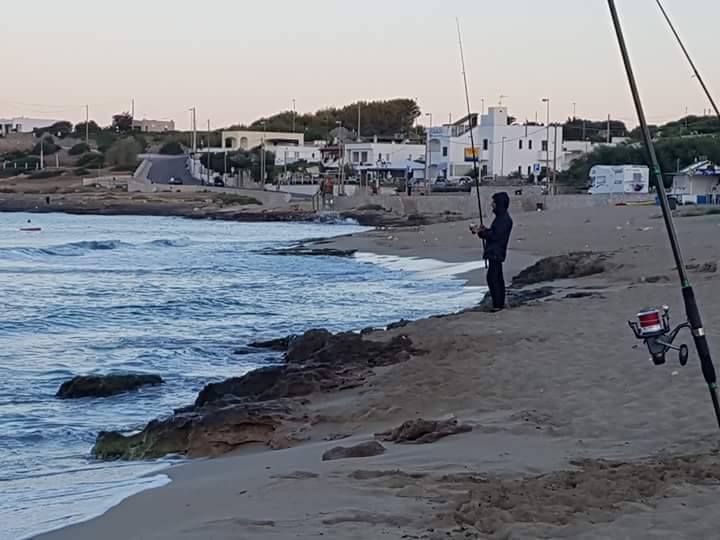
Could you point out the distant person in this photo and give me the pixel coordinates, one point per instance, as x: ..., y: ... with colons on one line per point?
x: 47, y: 200
x: 409, y: 188
x: 496, y: 239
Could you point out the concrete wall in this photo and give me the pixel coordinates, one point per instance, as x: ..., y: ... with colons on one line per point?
x: 466, y: 204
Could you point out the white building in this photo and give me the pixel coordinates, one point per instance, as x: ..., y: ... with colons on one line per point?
x: 21, y: 124
x: 153, y: 126
x: 377, y: 159
x: 289, y: 154
x: 608, y: 179
x: 574, y: 150
x: 502, y: 149
x: 245, y: 139
x: 699, y: 183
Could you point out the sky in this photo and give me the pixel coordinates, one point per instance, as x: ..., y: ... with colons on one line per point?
x: 238, y: 60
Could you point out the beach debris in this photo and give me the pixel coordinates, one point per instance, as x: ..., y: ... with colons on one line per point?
x: 573, y: 265
x: 654, y: 279
x: 363, y: 450
x: 105, y: 385
x: 310, y: 251
x: 424, y: 431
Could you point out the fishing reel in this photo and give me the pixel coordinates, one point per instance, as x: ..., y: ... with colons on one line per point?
x: 653, y: 327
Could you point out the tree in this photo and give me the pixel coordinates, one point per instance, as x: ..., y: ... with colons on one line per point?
x: 389, y: 119
x: 124, y: 153
x: 48, y: 146
x: 172, y: 148
x: 79, y: 149
x: 122, y: 123
x: 673, y: 153
x: 93, y: 128
x: 578, y: 129
x: 59, y: 129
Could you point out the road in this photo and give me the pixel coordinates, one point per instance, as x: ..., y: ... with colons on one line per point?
x: 166, y: 167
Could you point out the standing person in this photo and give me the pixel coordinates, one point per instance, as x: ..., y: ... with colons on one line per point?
x: 496, y: 239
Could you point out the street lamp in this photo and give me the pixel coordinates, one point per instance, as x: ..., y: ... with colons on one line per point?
x: 547, y: 141
x: 428, y: 156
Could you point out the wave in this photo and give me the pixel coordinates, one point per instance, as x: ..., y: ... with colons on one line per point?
x: 78, y: 249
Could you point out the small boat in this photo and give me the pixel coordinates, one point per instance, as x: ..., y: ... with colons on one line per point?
x: 31, y: 229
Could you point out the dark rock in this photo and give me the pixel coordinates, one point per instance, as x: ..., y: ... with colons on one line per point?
x: 582, y: 294
x: 424, y: 431
x: 572, y: 265
x: 368, y: 449
x: 709, y: 268
x: 655, y: 279
x: 105, y: 385
x: 342, y: 363
x: 368, y: 330
x: 207, y: 432
x: 244, y: 351
x: 252, y: 384
x: 301, y: 348
x: 280, y: 344
x: 402, y: 323
x: 516, y: 298
x: 310, y: 251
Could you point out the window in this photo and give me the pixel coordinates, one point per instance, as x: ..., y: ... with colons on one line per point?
x: 520, y: 170
x: 364, y: 157
x: 520, y: 144
x: 530, y: 144
x: 486, y: 144
x: 445, y: 151
x: 297, y: 155
x: 355, y: 157
x: 545, y: 146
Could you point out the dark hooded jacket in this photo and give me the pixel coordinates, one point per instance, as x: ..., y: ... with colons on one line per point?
x: 497, y: 236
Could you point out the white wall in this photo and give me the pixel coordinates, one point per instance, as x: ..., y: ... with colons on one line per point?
x: 502, y: 158
x: 293, y: 154
x: 23, y: 125
x: 246, y: 139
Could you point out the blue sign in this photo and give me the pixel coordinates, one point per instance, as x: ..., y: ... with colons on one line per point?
x: 537, y: 168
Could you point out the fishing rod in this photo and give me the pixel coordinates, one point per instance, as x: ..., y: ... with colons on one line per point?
x: 689, y: 58
x: 476, y: 168
x: 653, y: 327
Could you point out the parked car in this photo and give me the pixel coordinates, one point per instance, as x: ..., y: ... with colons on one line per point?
x: 175, y: 181
x: 218, y: 182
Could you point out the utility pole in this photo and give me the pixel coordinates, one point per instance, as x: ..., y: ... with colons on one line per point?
x: 554, y: 187
x: 262, y: 155
x: 427, y: 149
x: 502, y: 159
x: 294, y: 116
x: 194, y: 130
x: 87, y: 125
x: 609, y: 136
x: 482, y: 103
x: 42, y: 153
x: 574, y: 110
x: 358, y: 130
x: 547, y: 142
x: 132, y: 109
x: 208, y: 153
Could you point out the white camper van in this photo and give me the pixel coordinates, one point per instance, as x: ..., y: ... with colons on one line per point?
x: 608, y: 179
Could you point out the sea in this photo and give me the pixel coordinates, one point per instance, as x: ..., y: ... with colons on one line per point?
x: 168, y: 296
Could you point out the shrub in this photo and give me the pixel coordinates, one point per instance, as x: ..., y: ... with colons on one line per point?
x: 172, y: 148
x: 91, y: 161
x: 124, y: 153
x: 79, y: 149
x: 48, y: 147
x: 49, y: 173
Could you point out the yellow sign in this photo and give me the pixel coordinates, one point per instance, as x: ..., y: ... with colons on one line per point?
x: 471, y: 154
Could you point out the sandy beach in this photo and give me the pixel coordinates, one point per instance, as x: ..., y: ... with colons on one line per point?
x: 575, y: 433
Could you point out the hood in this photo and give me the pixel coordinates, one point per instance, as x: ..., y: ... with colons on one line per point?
x: 502, y: 202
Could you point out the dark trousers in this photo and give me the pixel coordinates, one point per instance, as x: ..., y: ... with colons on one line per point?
x: 496, y: 282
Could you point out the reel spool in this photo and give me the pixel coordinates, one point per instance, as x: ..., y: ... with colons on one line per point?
x: 653, y: 328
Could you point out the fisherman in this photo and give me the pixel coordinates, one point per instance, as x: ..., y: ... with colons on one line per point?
x: 496, y: 240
